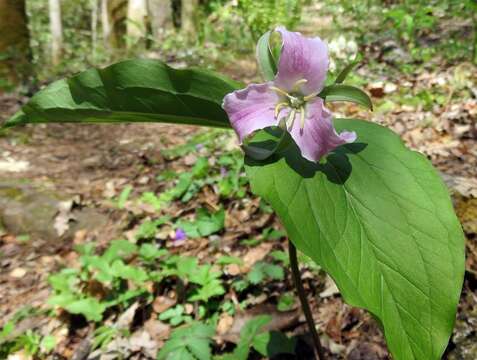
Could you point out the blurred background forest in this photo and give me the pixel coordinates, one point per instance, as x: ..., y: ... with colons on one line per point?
x: 195, y: 246
x: 58, y: 37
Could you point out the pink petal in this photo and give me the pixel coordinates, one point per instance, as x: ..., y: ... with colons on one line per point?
x: 251, y: 109
x: 302, y: 58
x: 318, y: 137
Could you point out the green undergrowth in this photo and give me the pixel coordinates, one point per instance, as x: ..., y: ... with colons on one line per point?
x: 106, y: 281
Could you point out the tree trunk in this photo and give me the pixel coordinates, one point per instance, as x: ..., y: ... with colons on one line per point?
x: 189, y: 17
x: 94, y: 26
x: 56, y: 31
x: 160, y: 17
x: 15, y: 52
x: 106, y: 24
x: 113, y: 19
x: 137, y: 19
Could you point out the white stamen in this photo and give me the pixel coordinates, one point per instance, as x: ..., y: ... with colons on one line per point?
x: 280, y: 91
x: 311, y: 96
x: 298, y: 84
x: 291, y: 119
x: 302, y: 117
x: 279, y: 108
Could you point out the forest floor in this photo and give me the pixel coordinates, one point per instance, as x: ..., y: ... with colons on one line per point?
x: 94, y: 177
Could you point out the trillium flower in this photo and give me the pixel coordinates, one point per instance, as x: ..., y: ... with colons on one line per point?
x: 291, y: 99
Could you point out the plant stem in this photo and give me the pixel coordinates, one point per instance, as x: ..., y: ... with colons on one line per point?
x: 304, y: 303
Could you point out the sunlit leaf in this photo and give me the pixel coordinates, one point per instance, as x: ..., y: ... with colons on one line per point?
x: 132, y: 91
x: 378, y: 218
x: 341, y: 92
x: 346, y: 70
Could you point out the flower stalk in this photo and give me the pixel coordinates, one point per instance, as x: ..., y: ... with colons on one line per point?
x: 319, y: 350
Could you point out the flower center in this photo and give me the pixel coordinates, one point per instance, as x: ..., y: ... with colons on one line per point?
x: 294, y: 100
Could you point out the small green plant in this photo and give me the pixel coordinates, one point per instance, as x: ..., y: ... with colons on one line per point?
x: 29, y: 341
x: 175, y: 316
x: 190, y: 342
x: 262, y: 270
x: 205, y: 223
x: 103, y: 335
x: 74, y: 290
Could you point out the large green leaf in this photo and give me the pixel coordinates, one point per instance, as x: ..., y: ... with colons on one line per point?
x: 378, y: 218
x: 341, y: 92
x: 132, y: 91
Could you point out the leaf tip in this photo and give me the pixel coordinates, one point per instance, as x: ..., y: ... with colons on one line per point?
x: 17, y: 119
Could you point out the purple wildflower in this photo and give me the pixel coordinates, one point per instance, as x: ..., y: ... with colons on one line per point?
x: 223, y: 171
x: 180, y: 235
x: 291, y: 100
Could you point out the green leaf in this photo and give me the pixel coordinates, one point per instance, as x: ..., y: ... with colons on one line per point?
x: 263, y: 150
x: 150, y: 252
x: 275, y: 272
x: 248, y: 334
x: 378, y: 218
x: 256, y: 275
x: 172, y: 313
x: 262, y: 269
x: 207, y: 291
x: 340, y: 92
x: 48, y: 343
x: 101, y: 268
x: 203, y: 275
x: 205, y: 224
x: 150, y: 198
x: 62, y: 299
x: 189, y: 342
x: 128, y: 272
x: 186, y: 265
x: 226, y: 260
x: 132, y: 91
x: 65, y: 280
x: 273, y: 343
x: 201, y: 168
x: 286, y: 302
x: 104, y: 335
x: 7, y: 329
x: 90, y: 308
x: 119, y: 249
x: 348, y: 68
x: 266, y: 61
x: 123, y: 197
x: 281, y: 256
x: 209, y: 224
x: 148, y: 228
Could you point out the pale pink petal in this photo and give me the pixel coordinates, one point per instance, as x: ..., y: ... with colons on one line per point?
x: 318, y: 137
x: 251, y: 109
x: 302, y: 58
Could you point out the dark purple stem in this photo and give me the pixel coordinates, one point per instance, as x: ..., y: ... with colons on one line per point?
x: 320, y: 351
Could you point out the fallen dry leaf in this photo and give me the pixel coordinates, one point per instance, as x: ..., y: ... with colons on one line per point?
x: 256, y: 254
x: 224, y: 324
x: 232, y: 269
x: 157, y: 329
x: 162, y: 303
x: 127, y: 317
x: 62, y: 220
x: 18, y: 273
x: 330, y: 288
